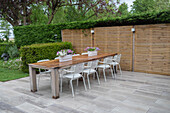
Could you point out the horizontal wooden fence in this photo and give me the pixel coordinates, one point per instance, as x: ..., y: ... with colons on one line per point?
x: 80, y: 38
x: 115, y: 40
x: 152, y: 49
x: 145, y: 50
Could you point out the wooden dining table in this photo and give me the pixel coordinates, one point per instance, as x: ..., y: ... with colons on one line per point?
x: 55, y: 65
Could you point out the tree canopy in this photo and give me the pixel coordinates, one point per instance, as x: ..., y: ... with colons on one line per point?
x: 25, y: 12
x: 140, y: 6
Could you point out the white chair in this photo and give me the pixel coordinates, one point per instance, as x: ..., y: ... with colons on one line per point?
x: 76, y: 55
x: 43, y: 72
x: 92, y: 70
x: 73, y: 75
x: 84, y: 53
x: 116, y: 61
x: 105, y: 65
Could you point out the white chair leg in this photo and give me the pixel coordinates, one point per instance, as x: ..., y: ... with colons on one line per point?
x: 88, y: 81
x: 84, y: 83
x: 61, y: 85
x: 104, y: 75
x: 112, y: 72
x: 38, y: 81
x: 50, y: 81
x: 77, y: 82
x: 116, y: 68
x: 120, y: 70
x: 98, y: 77
x: 99, y: 71
x: 71, y: 84
x: 93, y: 75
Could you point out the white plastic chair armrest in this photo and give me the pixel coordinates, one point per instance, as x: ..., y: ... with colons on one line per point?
x: 68, y: 71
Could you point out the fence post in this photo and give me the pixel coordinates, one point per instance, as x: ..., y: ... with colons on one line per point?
x: 92, y: 36
x: 133, y: 48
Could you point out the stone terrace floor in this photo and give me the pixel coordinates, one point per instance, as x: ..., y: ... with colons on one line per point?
x: 132, y: 93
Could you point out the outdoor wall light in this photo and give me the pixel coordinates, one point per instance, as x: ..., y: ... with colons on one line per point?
x: 55, y: 35
x: 133, y: 29
x: 92, y: 31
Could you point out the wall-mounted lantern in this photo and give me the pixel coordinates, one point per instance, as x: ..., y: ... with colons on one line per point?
x: 55, y: 37
x: 92, y: 31
x: 133, y: 29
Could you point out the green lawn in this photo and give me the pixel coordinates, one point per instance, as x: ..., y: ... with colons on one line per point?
x: 7, y: 74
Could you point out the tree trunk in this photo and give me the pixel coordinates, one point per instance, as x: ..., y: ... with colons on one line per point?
x: 51, y: 17
x: 24, y: 19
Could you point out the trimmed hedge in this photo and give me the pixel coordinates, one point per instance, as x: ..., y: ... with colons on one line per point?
x: 35, y: 52
x: 26, y: 35
x: 4, y: 47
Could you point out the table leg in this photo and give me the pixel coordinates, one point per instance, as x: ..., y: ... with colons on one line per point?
x: 33, y: 82
x: 55, y: 83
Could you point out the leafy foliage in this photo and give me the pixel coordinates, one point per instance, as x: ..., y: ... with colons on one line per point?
x: 13, y: 51
x: 16, y: 11
x: 27, y: 35
x: 4, y: 47
x: 4, y: 29
x: 35, y: 52
x: 123, y: 9
x: 38, y: 15
x: 140, y: 6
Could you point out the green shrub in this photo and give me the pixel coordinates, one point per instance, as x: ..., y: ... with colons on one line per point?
x: 4, y: 47
x: 27, y: 35
x: 35, y: 52
x: 13, y: 51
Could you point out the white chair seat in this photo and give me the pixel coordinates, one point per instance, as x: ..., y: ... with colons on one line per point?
x: 75, y: 74
x: 103, y: 66
x: 89, y: 71
x: 114, y: 63
x: 70, y: 76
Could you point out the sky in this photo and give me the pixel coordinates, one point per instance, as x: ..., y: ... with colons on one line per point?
x: 129, y: 2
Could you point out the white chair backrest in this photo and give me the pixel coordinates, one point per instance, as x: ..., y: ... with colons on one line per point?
x: 42, y: 61
x: 78, y: 68
x: 76, y: 55
x: 89, y: 63
x: 109, y: 60
x: 118, y: 58
x: 84, y: 53
x: 94, y: 64
x: 105, y: 59
x: 115, y: 57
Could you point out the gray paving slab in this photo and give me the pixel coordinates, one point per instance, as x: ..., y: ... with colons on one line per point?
x: 134, y: 92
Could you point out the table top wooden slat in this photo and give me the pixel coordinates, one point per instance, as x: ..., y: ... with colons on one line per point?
x: 75, y: 60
